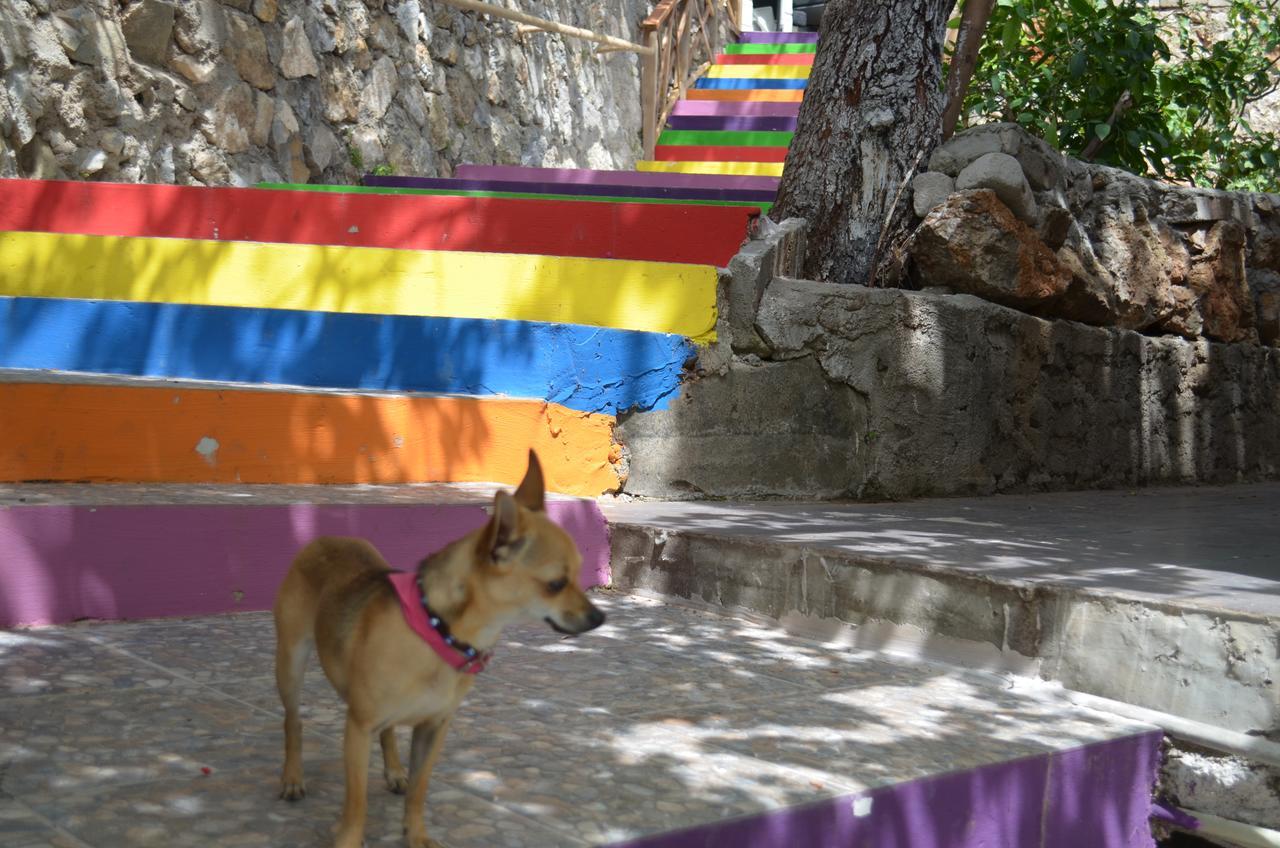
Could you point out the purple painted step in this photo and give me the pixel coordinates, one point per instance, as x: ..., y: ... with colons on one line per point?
x: 585, y: 176
x: 718, y: 122
x: 778, y: 38
x: 731, y: 108
x: 441, y: 184
x: 63, y: 562
x: 1094, y: 796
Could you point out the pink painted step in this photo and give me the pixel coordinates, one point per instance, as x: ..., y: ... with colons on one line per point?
x: 105, y: 555
x: 730, y: 108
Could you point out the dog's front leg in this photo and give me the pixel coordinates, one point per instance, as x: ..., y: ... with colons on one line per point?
x: 428, y: 740
x: 355, y: 756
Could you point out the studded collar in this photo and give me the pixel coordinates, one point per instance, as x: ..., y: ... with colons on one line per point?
x: 432, y: 628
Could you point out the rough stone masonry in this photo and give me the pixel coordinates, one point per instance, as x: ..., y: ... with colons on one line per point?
x: 1071, y: 326
x: 241, y: 91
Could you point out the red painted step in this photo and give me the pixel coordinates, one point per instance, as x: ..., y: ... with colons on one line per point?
x: 712, y: 153
x: 640, y: 231
x: 765, y: 59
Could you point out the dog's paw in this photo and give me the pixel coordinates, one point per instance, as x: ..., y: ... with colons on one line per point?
x: 421, y: 841
x: 293, y: 790
x: 397, y: 781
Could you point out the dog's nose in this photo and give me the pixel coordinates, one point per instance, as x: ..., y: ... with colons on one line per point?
x: 595, y: 618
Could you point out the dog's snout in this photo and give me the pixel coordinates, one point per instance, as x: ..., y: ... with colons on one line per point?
x: 595, y: 618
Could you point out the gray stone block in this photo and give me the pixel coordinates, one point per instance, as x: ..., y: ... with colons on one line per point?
x: 929, y: 190
x: 1001, y: 173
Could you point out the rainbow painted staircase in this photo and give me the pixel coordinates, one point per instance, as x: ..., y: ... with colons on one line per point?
x: 179, y: 367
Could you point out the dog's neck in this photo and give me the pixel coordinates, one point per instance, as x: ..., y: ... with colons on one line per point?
x: 445, y: 577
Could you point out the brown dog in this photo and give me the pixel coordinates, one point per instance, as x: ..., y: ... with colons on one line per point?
x: 403, y: 649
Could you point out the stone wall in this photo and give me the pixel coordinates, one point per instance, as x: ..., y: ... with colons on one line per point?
x: 826, y: 391
x: 238, y: 91
x: 1009, y: 219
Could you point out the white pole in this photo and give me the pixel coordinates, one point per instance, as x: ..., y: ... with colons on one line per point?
x: 787, y: 18
x: 748, y: 16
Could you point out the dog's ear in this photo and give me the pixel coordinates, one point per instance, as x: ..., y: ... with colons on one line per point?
x: 531, y: 493
x: 503, y: 536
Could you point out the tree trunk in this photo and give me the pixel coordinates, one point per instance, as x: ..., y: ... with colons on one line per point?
x: 871, y: 114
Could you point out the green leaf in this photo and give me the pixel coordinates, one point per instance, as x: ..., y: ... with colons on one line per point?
x: 1102, y: 131
x: 1078, y: 64
x: 1012, y: 34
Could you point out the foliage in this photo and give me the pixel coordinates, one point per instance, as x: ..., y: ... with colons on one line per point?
x: 1063, y: 68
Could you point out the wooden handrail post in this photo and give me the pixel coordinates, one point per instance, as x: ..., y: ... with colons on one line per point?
x: 649, y: 94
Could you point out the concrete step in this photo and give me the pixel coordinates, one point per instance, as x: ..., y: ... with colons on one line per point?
x: 1164, y: 598
x: 666, y: 727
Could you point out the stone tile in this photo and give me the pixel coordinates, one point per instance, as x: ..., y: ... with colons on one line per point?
x: 81, y: 742
x: 613, y: 779
x: 20, y: 827
x: 49, y: 661
x: 240, y: 810
x: 229, y: 647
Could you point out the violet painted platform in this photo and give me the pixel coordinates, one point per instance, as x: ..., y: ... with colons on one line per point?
x: 586, y: 176
x: 731, y: 108
x: 657, y: 191
x: 717, y: 122
x: 108, y: 556
x: 778, y: 38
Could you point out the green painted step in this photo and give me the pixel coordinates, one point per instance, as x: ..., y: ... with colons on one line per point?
x: 733, y: 138
x: 764, y: 207
x: 766, y: 49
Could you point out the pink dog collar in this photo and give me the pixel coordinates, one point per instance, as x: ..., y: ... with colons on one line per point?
x: 432, y: 629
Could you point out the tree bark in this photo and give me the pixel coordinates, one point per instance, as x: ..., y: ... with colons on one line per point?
x: 973, y: 24
x: 872, y: 112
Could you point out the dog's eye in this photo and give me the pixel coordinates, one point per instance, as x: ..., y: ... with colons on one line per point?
x: 556, y: 586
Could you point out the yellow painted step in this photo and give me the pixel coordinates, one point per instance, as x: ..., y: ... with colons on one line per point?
x: 737, y: 169
x: 759, y: 72
x: 624, y: 294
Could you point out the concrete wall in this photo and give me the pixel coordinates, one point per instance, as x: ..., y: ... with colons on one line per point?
x: 832, y: 391
x: 233, y: 92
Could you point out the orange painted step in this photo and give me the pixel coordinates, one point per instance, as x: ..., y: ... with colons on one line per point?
x: 747, y: 95
x: 91, y: 432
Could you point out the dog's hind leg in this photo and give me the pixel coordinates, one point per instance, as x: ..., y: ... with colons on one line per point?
x: 295, y: 618
x: 392, y: 769
x: 428, y: 741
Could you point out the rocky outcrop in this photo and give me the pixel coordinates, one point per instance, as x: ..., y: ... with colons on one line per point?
x: 828, y: 391
x: 973, y: 243
x: 1135, y: 254
x: 241, y: 91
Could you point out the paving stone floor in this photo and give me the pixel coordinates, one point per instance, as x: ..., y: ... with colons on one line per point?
x: 166, y: 733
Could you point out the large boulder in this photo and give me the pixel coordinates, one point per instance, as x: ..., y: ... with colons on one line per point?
x: 973, y: 243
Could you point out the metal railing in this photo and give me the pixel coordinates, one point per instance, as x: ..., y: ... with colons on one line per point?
x: 673, y: 35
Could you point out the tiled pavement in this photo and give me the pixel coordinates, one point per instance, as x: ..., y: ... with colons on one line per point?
x: 166, y: 733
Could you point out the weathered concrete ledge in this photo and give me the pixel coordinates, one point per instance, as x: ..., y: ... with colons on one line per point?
x: 841, y: 391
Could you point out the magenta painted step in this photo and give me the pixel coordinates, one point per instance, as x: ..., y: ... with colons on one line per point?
x: 730, y: 108
x: 62, y: 563
x: 1094, y: 796
x: 584, y: 176
x: 767, y: 123
x: 778, y: 38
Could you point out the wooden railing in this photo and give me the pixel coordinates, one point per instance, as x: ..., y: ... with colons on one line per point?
x: 682, y: 36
